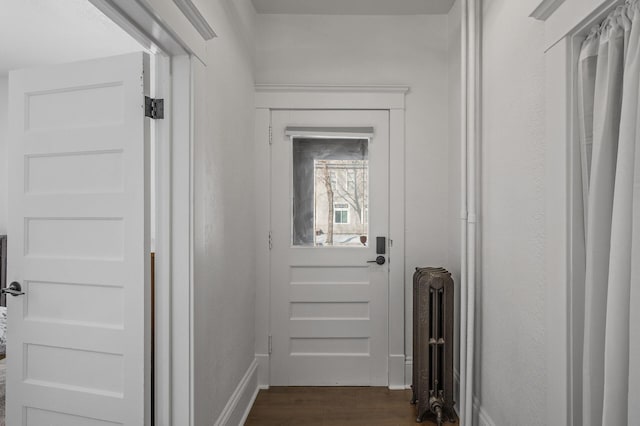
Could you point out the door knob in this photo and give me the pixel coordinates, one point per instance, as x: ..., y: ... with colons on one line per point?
x: 14, y: 289
x: 380, y: 260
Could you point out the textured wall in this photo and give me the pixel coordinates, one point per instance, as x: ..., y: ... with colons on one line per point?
x: 224, y: 212
x: 513, y: 334
x: 370, y: 50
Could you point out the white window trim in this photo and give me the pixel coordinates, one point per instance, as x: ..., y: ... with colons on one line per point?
x: 565, y: 29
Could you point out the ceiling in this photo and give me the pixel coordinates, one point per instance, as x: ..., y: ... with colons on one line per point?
x: 43, y: 32
x: 354, y: 7
x: 38, y: 32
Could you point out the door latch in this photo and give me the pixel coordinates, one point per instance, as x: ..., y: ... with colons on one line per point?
x: 14, y: 289
x: 380, y: 260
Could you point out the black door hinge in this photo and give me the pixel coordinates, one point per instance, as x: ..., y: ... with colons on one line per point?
x: 153, y: 108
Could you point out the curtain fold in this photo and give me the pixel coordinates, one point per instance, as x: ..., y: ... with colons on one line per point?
x: 611, y: 352
x: 634, y: 298
x: 616, y: 371
x: 606, y: 119
x: 587, y: 66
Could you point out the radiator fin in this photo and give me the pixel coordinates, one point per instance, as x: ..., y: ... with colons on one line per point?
x: 433, y: 344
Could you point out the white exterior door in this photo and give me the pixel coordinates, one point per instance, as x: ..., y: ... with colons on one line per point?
x: 78, y: 339
x: 329, y: 202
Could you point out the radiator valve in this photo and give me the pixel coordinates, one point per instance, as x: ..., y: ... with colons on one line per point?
x: 435, y: 405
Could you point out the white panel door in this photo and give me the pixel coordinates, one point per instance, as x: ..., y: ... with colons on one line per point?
x: 329, y: 306
x: 78, y: 339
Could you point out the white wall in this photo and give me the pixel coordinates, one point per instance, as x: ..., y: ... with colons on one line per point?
x: 513, y: 333
x: 4, y: 178
x: 75, y: 31
x: 224, y: 211
x: 370, y: 50
x: 453, y: 221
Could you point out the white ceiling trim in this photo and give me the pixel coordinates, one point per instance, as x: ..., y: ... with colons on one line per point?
x: 194, y: 16
x: 545, y: 9
x: 354, y: 7
x: 282, y: 88
x: 315, y: 96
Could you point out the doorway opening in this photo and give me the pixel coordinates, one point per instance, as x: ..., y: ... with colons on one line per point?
x: 329, y: 296
x: 74, y: 31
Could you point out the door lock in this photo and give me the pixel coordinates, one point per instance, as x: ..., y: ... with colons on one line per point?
x: 14, y: 289
x: 380, y: 260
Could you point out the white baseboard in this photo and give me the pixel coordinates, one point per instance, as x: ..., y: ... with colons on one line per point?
x: 249, y: 406
x: 397, y: 387
x: 481, y: 415
x: 241, y: 400
x: 396, y: 371
x: 263, y: 370
x: 481, y: 418
x: 408, y: 372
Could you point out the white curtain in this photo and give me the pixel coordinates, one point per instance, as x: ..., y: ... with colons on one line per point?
x: 609, y: 100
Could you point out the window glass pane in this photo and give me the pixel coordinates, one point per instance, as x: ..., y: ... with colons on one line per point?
x: 330, y: 192
x: 341, y: 216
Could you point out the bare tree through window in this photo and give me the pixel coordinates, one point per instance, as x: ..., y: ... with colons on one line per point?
x: 342, y: 184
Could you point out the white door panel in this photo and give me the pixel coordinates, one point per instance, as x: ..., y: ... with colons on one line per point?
x: 78, y: 338
x: 329, y: 307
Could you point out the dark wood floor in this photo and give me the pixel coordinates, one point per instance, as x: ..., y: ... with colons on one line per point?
x: 333, y: 406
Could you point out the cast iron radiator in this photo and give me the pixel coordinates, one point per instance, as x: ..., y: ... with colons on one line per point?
x: 433, y: 344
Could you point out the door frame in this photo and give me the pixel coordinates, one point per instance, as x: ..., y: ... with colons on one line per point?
x: 270, y: 97
x: 565, y: 28
x: 176, y: 32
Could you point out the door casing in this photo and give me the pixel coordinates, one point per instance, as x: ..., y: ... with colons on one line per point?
x: 391, y: 98
x: 352, y: 279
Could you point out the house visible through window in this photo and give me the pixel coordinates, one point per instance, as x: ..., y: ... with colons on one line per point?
x: 341, y: 213
x: 351, y: 180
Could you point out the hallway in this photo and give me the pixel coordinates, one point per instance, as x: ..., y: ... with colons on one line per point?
x: 333, y: 406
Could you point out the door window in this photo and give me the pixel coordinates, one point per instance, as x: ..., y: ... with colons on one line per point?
x: 330, y: 192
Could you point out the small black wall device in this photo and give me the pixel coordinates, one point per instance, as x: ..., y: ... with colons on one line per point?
x: 381, y: 245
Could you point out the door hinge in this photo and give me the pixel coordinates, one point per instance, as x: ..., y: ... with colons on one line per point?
x: 270, y: 241
x: 270, y: 135
x: 270, y: 345
x: 153, y: 108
